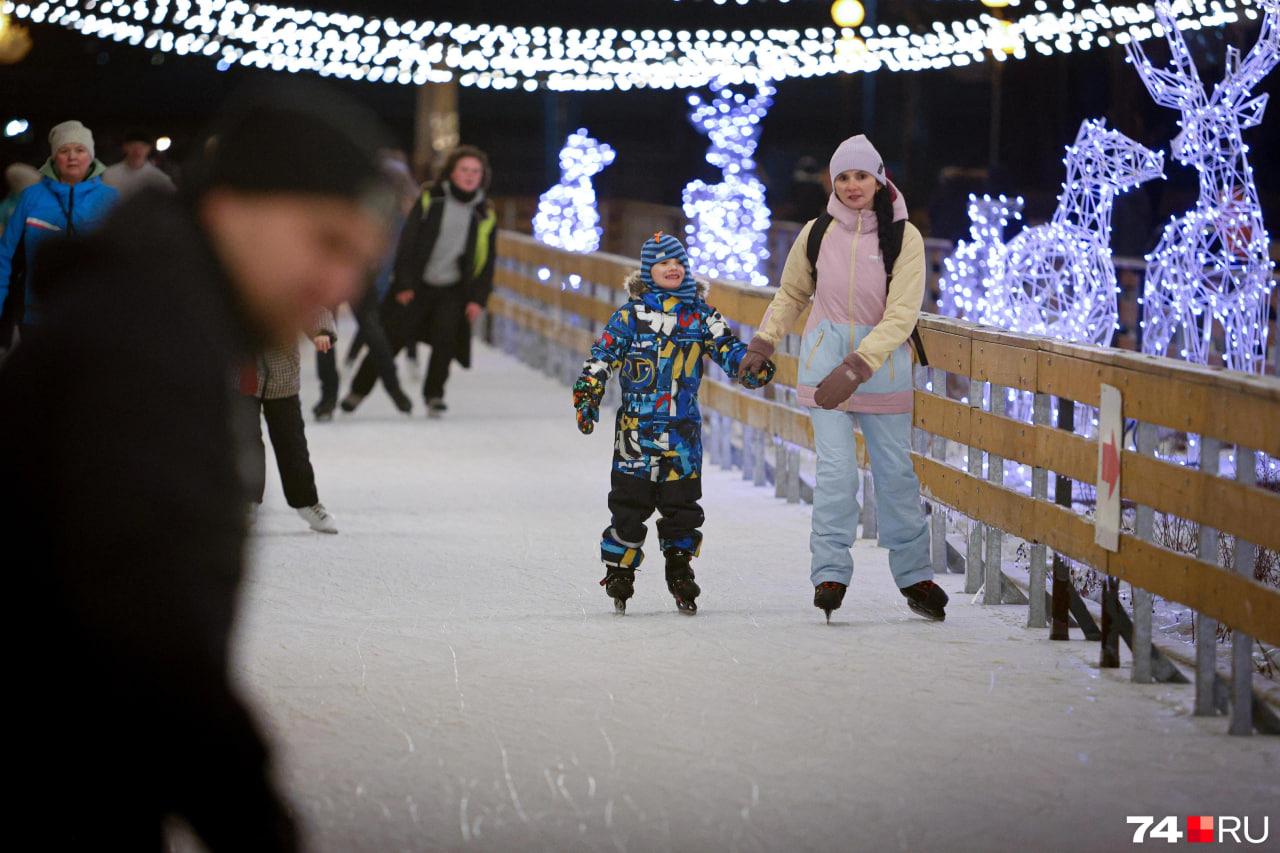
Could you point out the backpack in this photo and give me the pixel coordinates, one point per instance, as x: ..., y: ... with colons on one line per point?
x: 819, y: 230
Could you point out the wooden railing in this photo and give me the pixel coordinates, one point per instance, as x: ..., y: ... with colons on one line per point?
x: 549, y: 306
x: 628, y: 223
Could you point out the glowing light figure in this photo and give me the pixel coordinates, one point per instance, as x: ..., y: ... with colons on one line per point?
x: 729, y: 221
x: 978, y: 260
x: 1211, y: 267
x: 1058, y: 278
x: 567, y: 217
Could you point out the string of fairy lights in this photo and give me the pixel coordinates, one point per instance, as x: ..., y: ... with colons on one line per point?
x: 496, y: 56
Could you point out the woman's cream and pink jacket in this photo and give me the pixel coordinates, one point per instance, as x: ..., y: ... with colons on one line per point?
x: 851, y: 310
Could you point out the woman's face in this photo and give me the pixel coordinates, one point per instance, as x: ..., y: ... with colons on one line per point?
x: 856, y: 188
x: 72, y: 162
x: 467, y: 174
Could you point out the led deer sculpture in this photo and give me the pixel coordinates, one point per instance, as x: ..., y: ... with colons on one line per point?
x: 1058, y: 278
x: 1211, y: 266
x: 966, y: 272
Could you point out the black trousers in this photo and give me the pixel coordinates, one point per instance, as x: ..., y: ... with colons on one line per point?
x: 438, y: 313
x: 380, y: 360
x: 289, y: 440
x: 633, y: 499
x: 327, y: 368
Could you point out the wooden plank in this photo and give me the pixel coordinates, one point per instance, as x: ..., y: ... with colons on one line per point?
x: 1004, y: 437
x: 1226, y: 413
x: 1002, y: 364
x: 1231, y: 598
x: 1064, y: 453
x: 949, y: 352
x: 788, y: 370
x: 940, y: 416
x: 1245, y: 511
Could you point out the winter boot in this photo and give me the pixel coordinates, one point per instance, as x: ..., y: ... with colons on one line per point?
x: 402, y: 401
x: 927, y: 599
x: 324, y: 409
x: 352, y: 401
x: 620, y: 585
x: 828, y: 596
x: 680, y: 580
x: 436, y: 407
x: 319, y: 519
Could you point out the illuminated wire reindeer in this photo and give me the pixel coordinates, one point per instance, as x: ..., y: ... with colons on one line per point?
x: 1058, y: 278
x: 967, y: 271
x: 1211, y: 265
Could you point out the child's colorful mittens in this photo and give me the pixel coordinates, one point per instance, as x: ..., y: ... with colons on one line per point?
x: 587, y: 393
x: 761, y: 377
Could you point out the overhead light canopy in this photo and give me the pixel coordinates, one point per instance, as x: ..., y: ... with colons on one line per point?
x: 498, y: 56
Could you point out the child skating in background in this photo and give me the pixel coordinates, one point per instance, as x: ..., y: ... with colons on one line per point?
x: 656, y: 342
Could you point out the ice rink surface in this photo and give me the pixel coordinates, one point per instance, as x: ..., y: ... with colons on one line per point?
x: 446, y: 672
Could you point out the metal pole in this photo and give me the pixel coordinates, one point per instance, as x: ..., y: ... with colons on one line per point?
x: 1144, y: 527
x: 993, y: 577
x: 1207, y: 626
x: 1036, y: 615
x: 938, y: 516
x: 973, y: 568
x: 1061, y: 571
x: 1241, y: 643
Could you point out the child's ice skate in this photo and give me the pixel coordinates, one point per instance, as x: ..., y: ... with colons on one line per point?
x: 620, y: 585
x: 680, y: 580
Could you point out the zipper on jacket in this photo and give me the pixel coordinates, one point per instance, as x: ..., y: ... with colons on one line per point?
x: 853, y: 281
x: 809, y: 362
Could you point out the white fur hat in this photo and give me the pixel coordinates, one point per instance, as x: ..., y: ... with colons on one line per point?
x: 857, y: 152
x: 70, y: 133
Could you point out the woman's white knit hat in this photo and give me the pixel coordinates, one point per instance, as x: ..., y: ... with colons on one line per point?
x: 70, y: 133
x: 857, y: 153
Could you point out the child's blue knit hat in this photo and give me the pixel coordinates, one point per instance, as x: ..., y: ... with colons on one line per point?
x: 664, y: 247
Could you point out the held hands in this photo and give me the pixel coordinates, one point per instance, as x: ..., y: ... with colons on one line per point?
x: 474, y: 310
x: 842, y: 381
x: 587, y: 393
x: 758, y: 378
x: 759, y: 351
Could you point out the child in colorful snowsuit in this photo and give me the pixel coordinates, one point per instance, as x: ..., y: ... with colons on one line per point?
x: 656, y: 342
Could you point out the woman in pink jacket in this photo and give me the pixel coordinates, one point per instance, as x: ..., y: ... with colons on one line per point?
x: 855, y: 366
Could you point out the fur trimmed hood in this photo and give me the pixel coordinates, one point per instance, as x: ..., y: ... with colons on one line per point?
x: 636, y: 287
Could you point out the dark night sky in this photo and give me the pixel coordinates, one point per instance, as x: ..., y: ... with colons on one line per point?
x: 923, y: 121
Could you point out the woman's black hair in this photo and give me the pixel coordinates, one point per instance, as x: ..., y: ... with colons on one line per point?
x: 890, y: 237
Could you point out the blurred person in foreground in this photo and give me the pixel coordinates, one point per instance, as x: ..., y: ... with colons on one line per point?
x: 131, y: 478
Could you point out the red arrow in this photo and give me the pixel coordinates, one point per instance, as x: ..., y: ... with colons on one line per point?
x: 1111, y: 464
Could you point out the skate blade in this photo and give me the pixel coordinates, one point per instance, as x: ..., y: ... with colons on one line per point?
x: 828, y: 612
x: 688, y: 608
x: 932, y: 617
x: 620, y: 606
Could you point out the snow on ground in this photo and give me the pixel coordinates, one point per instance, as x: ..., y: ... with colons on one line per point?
x: 447, y: 674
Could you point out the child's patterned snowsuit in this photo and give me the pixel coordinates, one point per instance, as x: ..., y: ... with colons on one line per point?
x: 656, y: 342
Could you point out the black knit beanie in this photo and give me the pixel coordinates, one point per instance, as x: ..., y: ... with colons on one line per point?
x: 298, y: 137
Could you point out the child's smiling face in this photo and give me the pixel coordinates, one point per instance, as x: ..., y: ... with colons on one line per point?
x: 667, y: 274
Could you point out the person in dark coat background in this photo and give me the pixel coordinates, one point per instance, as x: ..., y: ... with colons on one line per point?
x: 443, y: 275
x: 130, y: 480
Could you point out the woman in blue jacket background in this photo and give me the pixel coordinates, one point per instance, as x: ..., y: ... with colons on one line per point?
x: 70, y: 199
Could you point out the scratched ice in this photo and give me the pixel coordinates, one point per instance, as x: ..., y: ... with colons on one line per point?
x: 446, y: 673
